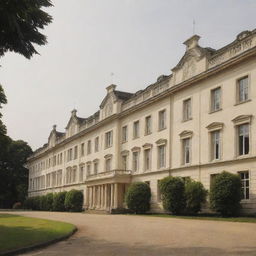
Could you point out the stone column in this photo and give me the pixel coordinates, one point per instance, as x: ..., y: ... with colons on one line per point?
x: 106, y: 196
x: 112, y: 196
x: 102, y: 197
x: 115, y: 195
x: 94, y: 197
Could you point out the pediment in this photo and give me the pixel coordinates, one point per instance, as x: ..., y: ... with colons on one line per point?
x: 161, y: 142
x: 242, y: 119
x: 190, y: 58
x: 72, y: 121
x: 135, y: 149
x: 110, y: 98
x: 215, y: 126
x: 147, y: 145
x: 125, y: 152
x: 186, y: 134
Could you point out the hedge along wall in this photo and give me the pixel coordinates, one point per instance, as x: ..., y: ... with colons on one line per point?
x: 62, y: 201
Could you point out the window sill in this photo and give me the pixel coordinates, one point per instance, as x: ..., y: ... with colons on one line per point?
x: 242, y: 102
x: 135, y: 138
x: 146, y: 134
x: 242, y: 156
x: 214, y: 111
x: 161, y: 129
x: 186, y: 120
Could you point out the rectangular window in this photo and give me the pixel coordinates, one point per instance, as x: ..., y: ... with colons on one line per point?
x: 187, y: 115
x: 148, y: 124
x: 216, y: 99
x: 108, y: 139
x: 124, y: 160
x: 124, y: 133
x: 54, y: 161
x: 60, y: 158
x: 89, y: 147
x: 147, y: 159
x: 75, y: 152
x: 95, y: 167
x: 96, y: 144
x: 186, y: 151
x: 108, y: 164
x: 162, y: 120
x: 243, y: 139
x: 73, y: 175
x: 82, y: 149
x: 81, y: 174
x: 135, y: 161
x: 215, y: 145
x: 161, y: 156
x: 88, y: 169
x: 243, y: 89
x: 245, y: 184
x: 136, y: 129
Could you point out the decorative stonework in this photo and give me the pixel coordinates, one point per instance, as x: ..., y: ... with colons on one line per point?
x: 135, y: 149
x: 215, y: 126
x: 242, y: 119
x: 186, y: 134
x: 161, y: 142
x: 147, y: 145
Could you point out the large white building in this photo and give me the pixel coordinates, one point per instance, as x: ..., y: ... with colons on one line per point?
x: 195, y: 122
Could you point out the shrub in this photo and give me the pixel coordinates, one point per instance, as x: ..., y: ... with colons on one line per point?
x: 172, y: 190
x: 43, y: 203
x: 36, y: 201
x: 48, y: 202
x: 225, y: 194
x: 58, y: 201
x: 17, y: 205
x: 138, y: 197
x: 74, y: 201
x: 195, y: 195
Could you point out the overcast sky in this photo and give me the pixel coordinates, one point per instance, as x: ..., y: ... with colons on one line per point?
x: 137, y: 40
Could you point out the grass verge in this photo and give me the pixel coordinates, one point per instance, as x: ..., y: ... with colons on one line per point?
x: 202, y: 217
x: 19, y: 232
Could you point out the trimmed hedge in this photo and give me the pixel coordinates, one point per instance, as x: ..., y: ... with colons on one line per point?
x: 58, y: 201
x: 74, y: 201
x: 195, y: 195
x: 226, y: 194
x: 138, y: 197
x: 172, y: 190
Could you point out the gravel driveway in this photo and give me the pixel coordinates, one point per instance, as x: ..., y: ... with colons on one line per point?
x: 150, y: 236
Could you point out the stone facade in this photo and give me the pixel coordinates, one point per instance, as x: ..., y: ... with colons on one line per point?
x: 195, y: 122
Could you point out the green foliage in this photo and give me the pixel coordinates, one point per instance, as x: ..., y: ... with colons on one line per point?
x: 58, y: 201
x: 195, y: 195
x: 42, y: 203
x: 49, y: 201
x: 138, y: 197
x: 74, y: 200
x: 21, y: 232
x: 172, y: 190
x: 225, y: 194
x: 20, y: 25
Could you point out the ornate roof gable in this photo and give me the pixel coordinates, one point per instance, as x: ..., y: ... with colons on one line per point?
x: 193, y: 61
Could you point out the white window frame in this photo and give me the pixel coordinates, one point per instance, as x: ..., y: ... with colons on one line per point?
x: 108, y: 139
x: 136, y: 129
x: 187, y: 109
x: 162, y: 119
x: 148, y: 125
x: 216, y: 99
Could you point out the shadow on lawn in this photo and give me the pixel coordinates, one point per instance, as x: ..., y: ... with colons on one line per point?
x: 4, y: 215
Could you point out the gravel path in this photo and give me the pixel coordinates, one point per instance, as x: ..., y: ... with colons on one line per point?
x: 150, y: 236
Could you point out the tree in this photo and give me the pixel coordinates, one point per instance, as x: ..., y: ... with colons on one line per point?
x: 172, y: 190
x: 225, y: 194
x: 13, y: 174
x: 20, y: 24
x: 138, y: 197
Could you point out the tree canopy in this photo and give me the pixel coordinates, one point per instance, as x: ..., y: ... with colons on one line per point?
x: 20, y: 25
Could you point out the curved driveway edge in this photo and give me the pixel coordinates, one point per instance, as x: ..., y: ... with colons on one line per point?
x: 38, y: 246
x: 114, y: 235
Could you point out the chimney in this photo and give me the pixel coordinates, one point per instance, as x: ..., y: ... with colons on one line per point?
x: 73, y: 112
x: 111, y: 88
x: 192, y: 42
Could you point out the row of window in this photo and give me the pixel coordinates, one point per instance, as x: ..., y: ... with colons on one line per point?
x: 242, y: 95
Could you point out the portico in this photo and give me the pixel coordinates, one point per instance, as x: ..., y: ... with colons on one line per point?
x: 105, y: 191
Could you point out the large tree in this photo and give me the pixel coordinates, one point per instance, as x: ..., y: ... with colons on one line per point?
x: 20, y: 24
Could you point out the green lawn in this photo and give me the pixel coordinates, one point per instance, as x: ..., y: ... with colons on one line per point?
x: 214, y: 218
x: 17, y: 231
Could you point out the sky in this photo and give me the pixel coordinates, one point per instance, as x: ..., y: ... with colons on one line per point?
x: 137, y: 40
